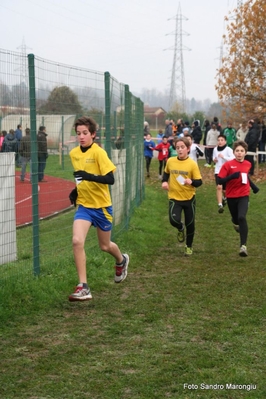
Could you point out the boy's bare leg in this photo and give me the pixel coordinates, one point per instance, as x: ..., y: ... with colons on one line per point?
x: 80, y: 231
x: 106, y: 245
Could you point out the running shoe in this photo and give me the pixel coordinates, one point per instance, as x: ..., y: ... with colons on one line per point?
x: 181, y: 235
x: 220, y: 209
x: 224, y: 201
x: 121, y: 271
x: 80, y: 294
x: 243, y: 251
x: 188, y: 251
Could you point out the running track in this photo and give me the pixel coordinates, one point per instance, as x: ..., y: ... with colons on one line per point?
x: 53, y: 198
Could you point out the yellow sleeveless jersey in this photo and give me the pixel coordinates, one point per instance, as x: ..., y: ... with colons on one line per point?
x: 95, y: 160
x: 179, y: 170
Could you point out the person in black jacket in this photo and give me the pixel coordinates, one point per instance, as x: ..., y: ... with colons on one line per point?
x: 196, y: 132
x: 262, y: 142
x: 252, y: 139
x: 10, y: 143
x: 42, y: 153
x: 207, y: 127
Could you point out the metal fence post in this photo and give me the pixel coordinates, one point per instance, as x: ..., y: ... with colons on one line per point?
x: 62, y: 148
x: 107, y: 114
x: 34, y: 167
x: 127, y: 142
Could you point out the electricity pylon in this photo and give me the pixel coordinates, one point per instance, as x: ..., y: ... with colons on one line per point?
x: 178, y: 89
x: 23, y: 68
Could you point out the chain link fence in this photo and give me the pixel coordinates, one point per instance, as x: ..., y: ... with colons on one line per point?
x: 36, y: 219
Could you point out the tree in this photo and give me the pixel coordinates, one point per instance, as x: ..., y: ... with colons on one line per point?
x: 242, y: 77
x: 62, y: 100
x: 199, y: 115
x: 5, y: 97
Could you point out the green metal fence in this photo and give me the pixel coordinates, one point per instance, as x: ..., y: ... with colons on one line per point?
x: 35, y: 92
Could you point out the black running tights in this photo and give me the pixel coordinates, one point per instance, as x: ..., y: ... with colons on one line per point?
x: 148, y: 162
x: 238, y: 208
x: 175, y: 211
x: 162, y: 164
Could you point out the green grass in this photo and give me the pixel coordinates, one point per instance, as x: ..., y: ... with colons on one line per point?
x: 175, y: 320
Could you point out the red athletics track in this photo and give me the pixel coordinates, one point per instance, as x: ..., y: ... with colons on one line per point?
x: 53, y: 197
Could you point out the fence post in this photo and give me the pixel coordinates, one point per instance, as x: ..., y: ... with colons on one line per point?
x: 62, y: 147
x: 34, y: 167
x: 127, y: 138
x: 107, y: 114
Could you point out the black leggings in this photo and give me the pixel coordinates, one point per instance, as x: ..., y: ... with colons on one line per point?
x: 148, y: 162
x: 250, y: 158
x: 238, y: 208
x: 175, y: 210
x: 162, y: 165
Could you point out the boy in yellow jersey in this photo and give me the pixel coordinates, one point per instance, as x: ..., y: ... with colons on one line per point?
x: 93, y: 171
x: 181, y: 177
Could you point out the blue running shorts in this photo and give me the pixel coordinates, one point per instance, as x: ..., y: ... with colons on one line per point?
x: 102, y: 217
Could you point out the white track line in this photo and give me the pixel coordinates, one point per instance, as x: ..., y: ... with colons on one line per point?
x: 26, y: 199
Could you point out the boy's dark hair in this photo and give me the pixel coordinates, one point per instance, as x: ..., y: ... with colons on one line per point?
x: 41, y: 128
x: 240, y: 143
x: 19, y: 126
x: 222, y: 135
x: 86, y: 121
x: 27, y: 130
x: 164, y: 137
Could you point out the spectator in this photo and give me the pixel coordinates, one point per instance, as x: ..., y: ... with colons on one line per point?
x: 160, y: 136
x: 168, y: 128
x: 10, y: 143
x: 211, y: 143
x: 2, y: 137
x: 18, y: 135
x: 42, y: 153
x: 230, y: 134
x: 24, y: 151
x: 146, y: 128
x: 242, y: 131
x: 196, y: 132
x: 207, y: 127
x: 217, y: 123
x: 262, y: 142
x: 252, y: 139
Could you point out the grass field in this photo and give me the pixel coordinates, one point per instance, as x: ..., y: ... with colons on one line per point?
x: 174, y: 321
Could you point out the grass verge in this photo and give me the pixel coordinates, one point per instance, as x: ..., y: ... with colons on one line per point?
x: 198, y: 321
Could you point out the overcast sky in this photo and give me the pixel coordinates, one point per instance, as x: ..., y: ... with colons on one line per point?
x: 132, y: 39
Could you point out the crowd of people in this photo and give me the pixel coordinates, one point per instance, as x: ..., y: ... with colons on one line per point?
x: 180, y: 145
x: 14, y: 141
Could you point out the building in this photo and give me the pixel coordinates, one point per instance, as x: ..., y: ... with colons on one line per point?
x: 155, y: 116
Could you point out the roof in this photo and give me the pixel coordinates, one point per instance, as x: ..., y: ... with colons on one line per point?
x: 153, y: 110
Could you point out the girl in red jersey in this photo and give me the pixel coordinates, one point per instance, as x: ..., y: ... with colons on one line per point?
x: 163, y: 152
x: 235, y: 174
